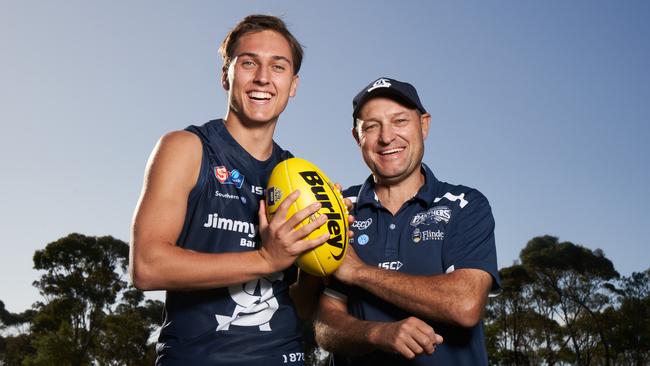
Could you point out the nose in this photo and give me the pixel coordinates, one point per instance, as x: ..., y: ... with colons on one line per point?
x: 386, y: 135
x: 262, y: 75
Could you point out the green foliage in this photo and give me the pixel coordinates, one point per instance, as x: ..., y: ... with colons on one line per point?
x: 566, y: 304
x: 90, y: 314
x: 14, y: 349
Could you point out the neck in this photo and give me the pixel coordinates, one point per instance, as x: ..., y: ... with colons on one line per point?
x: 255, y: 137
x: 393, y: 195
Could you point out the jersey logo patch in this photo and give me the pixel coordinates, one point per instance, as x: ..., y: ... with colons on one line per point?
x: 224, y: 223
x: 363, y: 239
x: 393, y: 266
x: 362, y: 225
x: 426, y: 235
x: 256, y: 304
x: 229, y: 177
x: 431, y: 216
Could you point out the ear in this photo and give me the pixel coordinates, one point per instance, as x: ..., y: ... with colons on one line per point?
x: 425, y: 120
x: 294, y: 85
x: 355, y: 134
x: 225, y: 83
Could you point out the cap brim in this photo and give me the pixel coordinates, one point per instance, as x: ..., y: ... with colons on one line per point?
x: 390, y: 93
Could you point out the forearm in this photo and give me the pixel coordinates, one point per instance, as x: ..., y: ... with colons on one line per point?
x: 343, y: 334
x: 168, y: 267
x: 457, y: 298
x: 304, y: 293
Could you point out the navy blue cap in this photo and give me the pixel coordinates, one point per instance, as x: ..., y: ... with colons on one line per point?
x: 404, y: 93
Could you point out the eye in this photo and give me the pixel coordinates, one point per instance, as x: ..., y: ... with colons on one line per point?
x: 369, y: 127
x: 278, y: 68
x: 401, y: 121
x: 247, y: 64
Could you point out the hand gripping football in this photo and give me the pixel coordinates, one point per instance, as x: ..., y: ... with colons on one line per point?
x: 296, y: 173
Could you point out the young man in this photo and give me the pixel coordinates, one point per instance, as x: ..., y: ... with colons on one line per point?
x: 413, y: 286
x: 200, y: 230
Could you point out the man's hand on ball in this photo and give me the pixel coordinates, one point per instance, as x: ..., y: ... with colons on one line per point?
x: 350, y: 206
x: 348, y: 202
x: 281, y: 244
x: 350, y: 267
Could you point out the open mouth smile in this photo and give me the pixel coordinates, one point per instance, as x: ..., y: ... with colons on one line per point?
x: 259, y: 95
x: 391, y: 151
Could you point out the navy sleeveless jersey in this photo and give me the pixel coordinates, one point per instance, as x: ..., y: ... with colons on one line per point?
x: 444, y: 227
x: 251, y: 323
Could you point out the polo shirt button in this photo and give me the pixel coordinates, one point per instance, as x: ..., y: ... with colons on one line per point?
x: 391, y: 226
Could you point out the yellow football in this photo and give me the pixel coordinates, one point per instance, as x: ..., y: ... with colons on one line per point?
x: 296, y: 173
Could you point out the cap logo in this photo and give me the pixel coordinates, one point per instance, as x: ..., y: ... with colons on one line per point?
x: 380, y: 83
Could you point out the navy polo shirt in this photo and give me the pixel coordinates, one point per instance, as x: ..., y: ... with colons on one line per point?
x: 443, y: 228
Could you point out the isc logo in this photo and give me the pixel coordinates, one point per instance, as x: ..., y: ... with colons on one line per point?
x: 393, y: 266
x: 257, y: 190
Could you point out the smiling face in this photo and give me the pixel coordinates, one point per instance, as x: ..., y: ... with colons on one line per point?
x: 260, y: 78
x: 391, y: 138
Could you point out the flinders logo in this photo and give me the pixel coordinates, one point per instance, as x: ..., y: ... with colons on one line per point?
x: 426, y: 235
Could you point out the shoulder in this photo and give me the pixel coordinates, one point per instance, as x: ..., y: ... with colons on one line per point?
x: 459, y: 195
x: 180, y: 145
x: 182, y: 138
x: 176, y: 157
x: 280, y: 152
x: 464, y: 206
x: 351, y: 192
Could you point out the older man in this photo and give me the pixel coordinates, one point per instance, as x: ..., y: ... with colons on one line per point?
x: 414, y: 288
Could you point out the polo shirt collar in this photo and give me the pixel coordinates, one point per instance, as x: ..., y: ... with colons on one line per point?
x: 425, y: 194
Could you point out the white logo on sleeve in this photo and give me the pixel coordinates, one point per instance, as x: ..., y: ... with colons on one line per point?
x: 453, y: 198
x: 252, y: 310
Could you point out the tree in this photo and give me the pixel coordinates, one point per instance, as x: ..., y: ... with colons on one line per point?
x: 17, y: 345
x: 88, y: 308
x: 556, y: 307
x: 630, y: 322
x: 575, y: 279
x: 519, y: 330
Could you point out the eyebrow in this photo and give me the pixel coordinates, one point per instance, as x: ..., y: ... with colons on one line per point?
x: 392, y: 115
x: 397, y: 114
x: 274, y: 57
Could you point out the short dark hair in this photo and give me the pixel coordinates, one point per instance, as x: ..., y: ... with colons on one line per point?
x: 257, y: 23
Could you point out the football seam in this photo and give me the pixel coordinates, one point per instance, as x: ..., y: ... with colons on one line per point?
x: 296, y: 207
x: 344, y: 210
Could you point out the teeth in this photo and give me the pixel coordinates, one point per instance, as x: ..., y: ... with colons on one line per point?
x: 391, y: 151
x: 259, y: 95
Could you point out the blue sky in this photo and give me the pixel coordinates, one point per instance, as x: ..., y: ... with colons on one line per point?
x: 543, y: 106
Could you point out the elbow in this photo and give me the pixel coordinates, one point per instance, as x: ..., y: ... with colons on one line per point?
x: 469, y: 313
x: 139, y: 279
x: 142, y: 273
x: 320, y: 335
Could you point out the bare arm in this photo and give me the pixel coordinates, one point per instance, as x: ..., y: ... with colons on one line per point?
x: 457, y: 298
x: 304, y: 293
x: 155, y: 260
x: 339, y: 332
